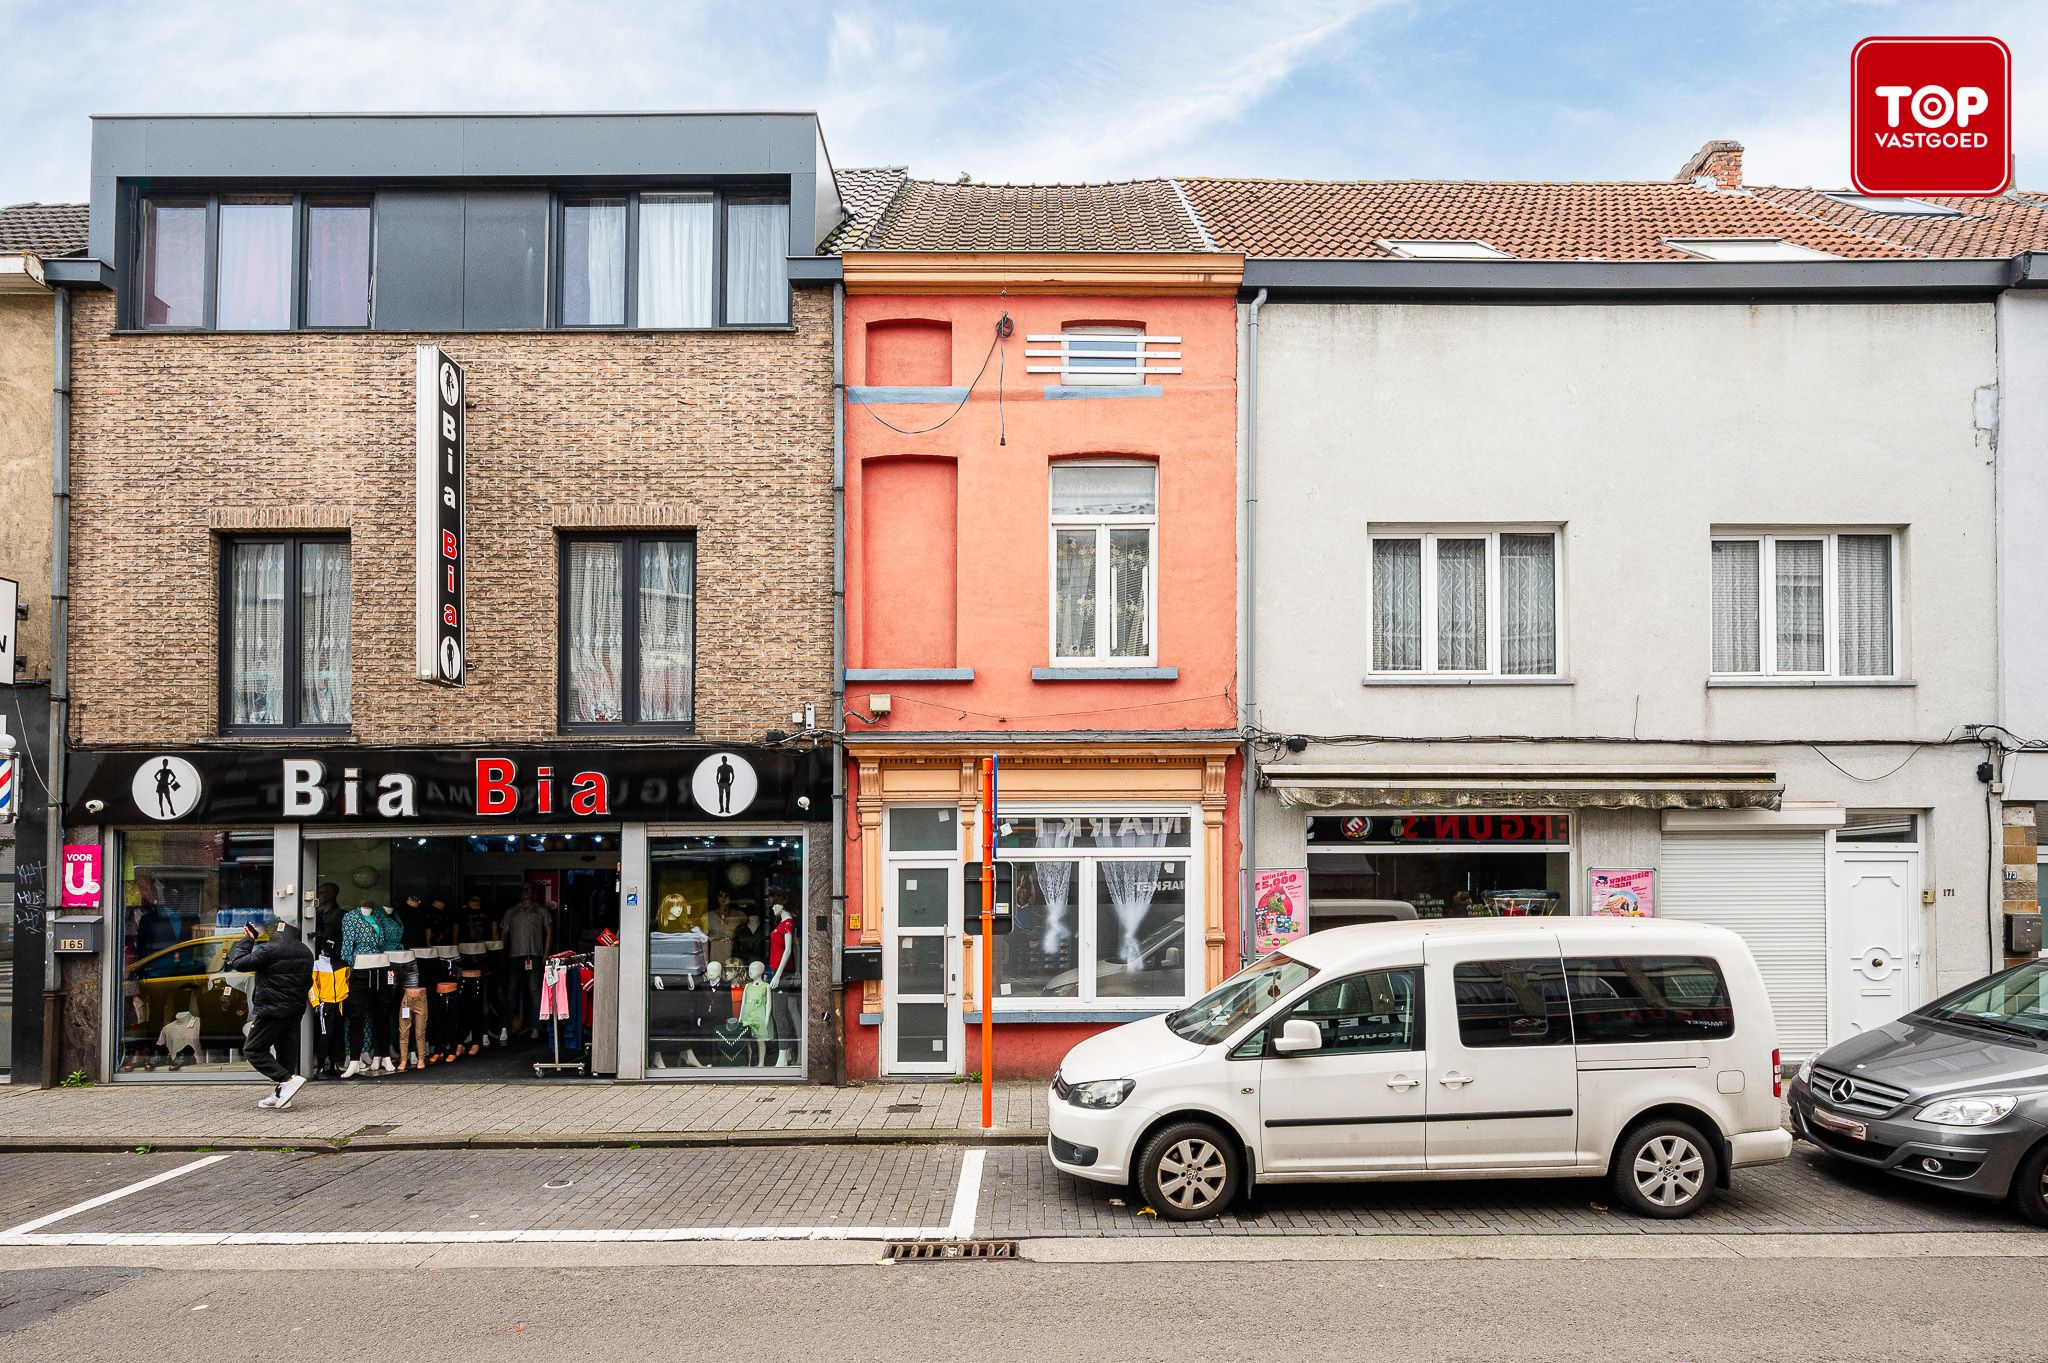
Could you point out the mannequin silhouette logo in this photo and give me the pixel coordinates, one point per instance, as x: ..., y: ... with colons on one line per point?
x: 166, y: 787
x: 724, y: 785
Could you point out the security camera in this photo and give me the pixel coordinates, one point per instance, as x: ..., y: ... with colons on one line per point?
x: 95, y: 806
x: 803, y: 802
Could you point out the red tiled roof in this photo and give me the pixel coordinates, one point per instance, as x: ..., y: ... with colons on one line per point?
x: 1131, y: 215
x: 45, y: 229
x: 1530, y: 221
x: 1998, y: 227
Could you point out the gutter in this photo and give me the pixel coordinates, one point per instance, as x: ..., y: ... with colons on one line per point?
x: 1644, y: 280
x: 839, y: 822
x: 60, y: 676
x: 1247, y: 595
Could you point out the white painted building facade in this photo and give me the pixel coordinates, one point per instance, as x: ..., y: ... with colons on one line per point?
x: 1698, y: 585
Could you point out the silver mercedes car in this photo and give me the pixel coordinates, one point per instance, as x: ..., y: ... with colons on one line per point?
x: 1954, y: 1094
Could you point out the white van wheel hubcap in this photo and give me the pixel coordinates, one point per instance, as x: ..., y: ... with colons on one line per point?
x: 1191, y: 1174
x: 1670, y: 1170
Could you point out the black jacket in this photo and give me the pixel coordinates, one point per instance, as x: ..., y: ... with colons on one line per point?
x: 283, y: 967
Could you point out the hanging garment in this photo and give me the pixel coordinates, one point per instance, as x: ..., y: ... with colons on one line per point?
x: 412, y: 1026
x: 554, y: 993
x: 181, y: 1033
x: 780, y: 938
x: 360, y: 934
x: 393, y: 930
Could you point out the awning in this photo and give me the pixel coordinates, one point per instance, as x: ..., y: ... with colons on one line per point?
x: 1524, y: 787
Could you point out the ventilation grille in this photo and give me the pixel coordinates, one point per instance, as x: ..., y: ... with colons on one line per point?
x: 929, y: 1250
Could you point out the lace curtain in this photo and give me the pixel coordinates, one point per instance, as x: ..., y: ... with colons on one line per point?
x: 1130, y: 586
x: 675, y: 261
x: 1528, y: 605
x: 596, y: 593
x: 667, y: 651
x: 1802, y: 639
x: 1055, y: 884
x: 1131, y: 885
x: 756, y: 261
x: 1461, y: 605
x: 256, y: 610
x: 1737, y: 643
x: 326, y: 661
x: 1397, y: 605
x: 1863, y: 573
x: 1074, y: 575
x: 253, y: 288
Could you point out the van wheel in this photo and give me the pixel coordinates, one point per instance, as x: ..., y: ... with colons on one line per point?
x: 2030, y: 1187
x: 1189, y: 1171
x: 1664, y: 1169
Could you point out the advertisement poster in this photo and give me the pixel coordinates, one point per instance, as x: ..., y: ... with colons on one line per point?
x: 1280, y: 903
x: 81, y: 875
x: 1624, y: 894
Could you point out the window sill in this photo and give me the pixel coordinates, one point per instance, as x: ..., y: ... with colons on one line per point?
x: 650, y: 731
x: 287, y: 737
x: 909, y: 674
x: 1427, y: 680
x: 770, y: 328
x: 1778, y: 683
x: 1055, y: 391
x: 865, y: 396
x: 1006, y: 1015
x: 1087, y: 674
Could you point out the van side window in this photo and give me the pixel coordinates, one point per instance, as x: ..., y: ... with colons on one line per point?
x: 1621, y: 999
x: 1374, y: 1012
x: 1512, y: 1003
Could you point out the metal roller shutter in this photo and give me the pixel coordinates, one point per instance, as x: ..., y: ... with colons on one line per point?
x: 1772, y: 888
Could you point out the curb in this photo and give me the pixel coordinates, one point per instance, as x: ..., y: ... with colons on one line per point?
x: 493, y: 1140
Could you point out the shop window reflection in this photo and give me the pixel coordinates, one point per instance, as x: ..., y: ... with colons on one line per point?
x: 186, y: 895
x: 725, y: 955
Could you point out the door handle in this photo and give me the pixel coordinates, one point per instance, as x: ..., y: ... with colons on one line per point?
x: 1403, y: 1082
x: 1455, y: 1080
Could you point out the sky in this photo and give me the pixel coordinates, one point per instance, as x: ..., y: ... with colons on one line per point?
x: 1101, y: 89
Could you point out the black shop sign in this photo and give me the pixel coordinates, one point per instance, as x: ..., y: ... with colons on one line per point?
x: 695, y: 783
x: 1439, y: 830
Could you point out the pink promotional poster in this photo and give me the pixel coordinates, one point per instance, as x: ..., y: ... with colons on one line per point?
x: 1624, y: 894
x: 1281, y: 907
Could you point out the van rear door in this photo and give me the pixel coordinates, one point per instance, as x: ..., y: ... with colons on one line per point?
x: 1503, y: 1074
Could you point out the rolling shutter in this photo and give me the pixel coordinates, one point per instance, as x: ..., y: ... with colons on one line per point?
x: 1771, y: 889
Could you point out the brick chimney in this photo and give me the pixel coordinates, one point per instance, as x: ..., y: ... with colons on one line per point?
x: 1721, y: 159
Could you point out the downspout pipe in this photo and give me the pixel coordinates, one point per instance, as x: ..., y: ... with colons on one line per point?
x: 1248, y: 652
x: 839, y: 819
x: 60, y: 677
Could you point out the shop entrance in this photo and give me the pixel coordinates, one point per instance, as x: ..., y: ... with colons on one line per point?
x: 470, y: 956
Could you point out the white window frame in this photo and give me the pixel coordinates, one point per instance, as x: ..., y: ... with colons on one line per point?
x: 1102, y: 525
x: 1441, y: 248
x: 1194, y: 906
x: 1491, y: 534
x: 1831, y: 605
x: 1139, y: 355
x: 1701, y: 248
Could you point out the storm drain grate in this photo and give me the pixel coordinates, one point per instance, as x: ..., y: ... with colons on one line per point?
x: 932, y: 1250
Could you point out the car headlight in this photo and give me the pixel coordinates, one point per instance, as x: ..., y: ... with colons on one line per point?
x: 1806, y: 1068
x: 1100, y: 1093
x: 1979, y: 1110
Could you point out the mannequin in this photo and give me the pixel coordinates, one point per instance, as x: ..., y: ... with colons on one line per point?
x: 367, y: 1019
x: 327, y: 911
x: 441, y: 980
x: 754, y: 1011
x: 469, y: 997
x: 393, y: 929
x: 748, y: 941
x: 328, y: 997
x: 360, y: 932
x: 784, y: 986
x: 179, y: 1035
x: 412, y: 1012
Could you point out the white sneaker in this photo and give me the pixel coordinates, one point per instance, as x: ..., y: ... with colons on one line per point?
x: 504, y: 1036
x: 352, y: 1069
x: 289, y: 1089
x: 271, y: 1099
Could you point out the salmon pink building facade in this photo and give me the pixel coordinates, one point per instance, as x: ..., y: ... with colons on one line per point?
x: 1041, y: 491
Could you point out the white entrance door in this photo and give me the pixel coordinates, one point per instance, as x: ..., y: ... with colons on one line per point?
x: 921, y: 969
x: 1873, y: 938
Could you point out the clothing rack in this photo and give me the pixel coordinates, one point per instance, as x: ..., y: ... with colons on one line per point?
x: 561, y: 961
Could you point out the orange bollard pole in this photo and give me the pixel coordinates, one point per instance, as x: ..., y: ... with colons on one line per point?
x: 988, y: 940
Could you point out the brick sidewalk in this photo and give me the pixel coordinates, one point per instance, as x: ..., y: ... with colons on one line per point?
x: 413, y: 1115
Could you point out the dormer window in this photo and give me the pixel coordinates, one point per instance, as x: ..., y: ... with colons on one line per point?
x: 1409, y: 248
x: 1744, y: 250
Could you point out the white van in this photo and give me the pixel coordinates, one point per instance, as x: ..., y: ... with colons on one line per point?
x: 1641, y: 1050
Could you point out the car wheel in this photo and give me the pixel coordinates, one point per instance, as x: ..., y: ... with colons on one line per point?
x: 1189, y: 1171
x: 1664, y: 1169
x: 2030, y: 1187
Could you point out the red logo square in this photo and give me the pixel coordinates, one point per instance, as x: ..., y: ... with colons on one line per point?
x: 1930, y: 116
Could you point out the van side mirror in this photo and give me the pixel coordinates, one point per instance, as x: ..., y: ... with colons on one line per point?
x: 1298, y: 1035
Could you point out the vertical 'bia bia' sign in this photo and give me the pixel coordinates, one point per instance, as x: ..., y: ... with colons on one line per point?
x: 442, y: 568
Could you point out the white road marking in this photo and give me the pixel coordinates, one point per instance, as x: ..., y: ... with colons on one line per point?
x: 960, y: 1226
x: 967, y: 1197
x: 103, y: 1199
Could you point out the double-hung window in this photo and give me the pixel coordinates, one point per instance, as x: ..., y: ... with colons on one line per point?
x: 286, y: 657
x: 1458, y: 602
x: 1806, y: 605
x: 628, y: 632
x: 673, y: 259
x: 1105, y: 521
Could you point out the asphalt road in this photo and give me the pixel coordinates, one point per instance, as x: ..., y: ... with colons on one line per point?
x: 1809, y: 1310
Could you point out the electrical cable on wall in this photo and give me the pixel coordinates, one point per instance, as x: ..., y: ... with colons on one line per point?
x: 1004, y: 327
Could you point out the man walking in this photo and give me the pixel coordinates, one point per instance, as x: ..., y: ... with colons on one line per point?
x: 283, y: 967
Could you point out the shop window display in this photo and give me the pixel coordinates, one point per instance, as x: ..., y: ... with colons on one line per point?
x: 725, y: 954
x: 1362, y: 867
x: 1089, y: 920
x: 186, y: 895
